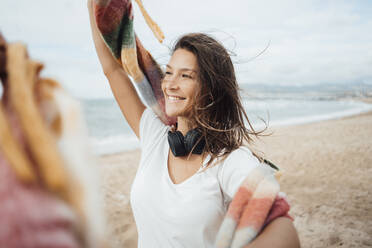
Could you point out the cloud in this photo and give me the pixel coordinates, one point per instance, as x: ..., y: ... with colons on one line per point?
x: 311, y: 42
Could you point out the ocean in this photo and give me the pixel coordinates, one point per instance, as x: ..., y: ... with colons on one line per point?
x: 110, y: 133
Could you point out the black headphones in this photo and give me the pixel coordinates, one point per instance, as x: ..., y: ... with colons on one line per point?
x: 181, y: 146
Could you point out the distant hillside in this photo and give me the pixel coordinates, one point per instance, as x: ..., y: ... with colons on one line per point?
x: 309, y: 92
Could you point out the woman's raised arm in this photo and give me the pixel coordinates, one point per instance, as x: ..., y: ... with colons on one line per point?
x: 121, y: 86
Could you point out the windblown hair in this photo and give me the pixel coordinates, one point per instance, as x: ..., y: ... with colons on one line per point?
x: 218, y: 111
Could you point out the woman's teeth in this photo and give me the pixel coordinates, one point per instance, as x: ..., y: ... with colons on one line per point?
x: 175, y: 98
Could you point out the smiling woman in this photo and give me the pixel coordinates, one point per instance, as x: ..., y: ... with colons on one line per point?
x: 196, y: 197
x: 201, y: 71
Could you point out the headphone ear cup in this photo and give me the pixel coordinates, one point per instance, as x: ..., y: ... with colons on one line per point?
x: 192, y: 137
x: 177, y: 143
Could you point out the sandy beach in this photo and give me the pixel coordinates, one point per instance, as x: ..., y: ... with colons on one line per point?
x: 327, y: 167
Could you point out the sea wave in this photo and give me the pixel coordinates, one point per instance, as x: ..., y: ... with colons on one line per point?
x: 114, y: 144
x: 358, y: 109
x: 278, y: 117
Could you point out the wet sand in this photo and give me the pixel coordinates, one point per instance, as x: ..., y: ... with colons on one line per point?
x: 327, y: 169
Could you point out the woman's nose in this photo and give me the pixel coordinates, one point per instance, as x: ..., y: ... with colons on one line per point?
x: 171, y: 82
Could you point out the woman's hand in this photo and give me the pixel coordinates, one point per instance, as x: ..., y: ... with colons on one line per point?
x: 280, y: 233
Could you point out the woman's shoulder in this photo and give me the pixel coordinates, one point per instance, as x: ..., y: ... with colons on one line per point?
x: 151, y: 127
x: 235, y: 168
x: 241, y: 155
x: 149, y: 115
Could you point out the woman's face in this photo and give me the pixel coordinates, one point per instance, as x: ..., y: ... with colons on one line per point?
x: 180, y: 83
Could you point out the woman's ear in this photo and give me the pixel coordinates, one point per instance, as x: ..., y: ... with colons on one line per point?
x: 173, y: 128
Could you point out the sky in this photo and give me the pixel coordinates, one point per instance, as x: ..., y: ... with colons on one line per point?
x: 308, y: 42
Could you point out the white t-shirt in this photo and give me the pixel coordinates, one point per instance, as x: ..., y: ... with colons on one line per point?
x: 188, y: 214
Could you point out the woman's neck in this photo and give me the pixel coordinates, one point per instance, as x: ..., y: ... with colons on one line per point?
x: 183, y: 125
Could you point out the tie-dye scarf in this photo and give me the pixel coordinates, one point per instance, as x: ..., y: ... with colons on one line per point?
x: 114, y: 20
x: 257, y: 201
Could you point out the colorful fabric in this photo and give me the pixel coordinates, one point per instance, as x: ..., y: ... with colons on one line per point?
x: 114, y: 20
x: 257, y: 201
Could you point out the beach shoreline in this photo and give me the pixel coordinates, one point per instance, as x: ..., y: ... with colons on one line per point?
x: 326, y: 167
x: 110, y: 134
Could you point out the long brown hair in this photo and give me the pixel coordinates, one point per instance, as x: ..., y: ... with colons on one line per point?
x: 218, y: 111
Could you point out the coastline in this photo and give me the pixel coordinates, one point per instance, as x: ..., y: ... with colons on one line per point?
x: 326, y: 167
x: 119, y: 138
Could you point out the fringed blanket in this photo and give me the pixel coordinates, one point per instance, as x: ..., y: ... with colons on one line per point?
x: 48, y: 180
x: 257, y: 201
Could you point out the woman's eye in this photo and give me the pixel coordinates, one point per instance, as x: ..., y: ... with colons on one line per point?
x: 186, y: 76
x: 168, y: 73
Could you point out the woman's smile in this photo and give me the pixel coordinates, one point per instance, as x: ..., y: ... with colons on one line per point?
x: 173, y: 98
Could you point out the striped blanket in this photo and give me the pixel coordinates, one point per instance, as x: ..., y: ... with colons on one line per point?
x: 257, y: 201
